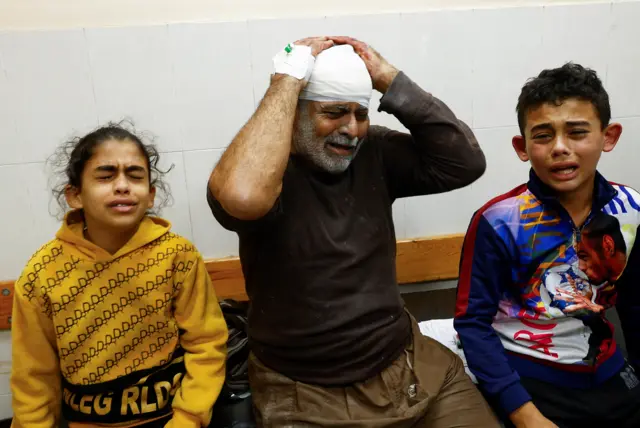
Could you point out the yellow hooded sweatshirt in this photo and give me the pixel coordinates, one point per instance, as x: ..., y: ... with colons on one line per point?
x: 116, y: 340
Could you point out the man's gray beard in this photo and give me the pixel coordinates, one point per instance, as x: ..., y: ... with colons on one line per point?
x: 312, y: 147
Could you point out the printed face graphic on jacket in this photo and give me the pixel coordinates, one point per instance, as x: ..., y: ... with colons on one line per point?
x: 581, y: 288
x: 602, y: 251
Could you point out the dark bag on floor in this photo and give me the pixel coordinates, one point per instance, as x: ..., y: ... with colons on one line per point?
x: 234, y: 408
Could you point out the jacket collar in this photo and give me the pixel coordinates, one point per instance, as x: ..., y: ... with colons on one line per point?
x: 603, y: 191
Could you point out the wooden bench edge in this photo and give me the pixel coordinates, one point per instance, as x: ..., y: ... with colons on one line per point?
x: 417, y: 260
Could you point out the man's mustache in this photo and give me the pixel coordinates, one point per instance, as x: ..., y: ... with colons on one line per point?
x: 342, y: 140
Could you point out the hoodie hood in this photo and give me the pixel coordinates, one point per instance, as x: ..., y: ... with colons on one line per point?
x: 72, y: 233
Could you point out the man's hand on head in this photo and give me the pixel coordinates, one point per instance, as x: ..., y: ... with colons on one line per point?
x: 382, y: 73
x: 317, y: 44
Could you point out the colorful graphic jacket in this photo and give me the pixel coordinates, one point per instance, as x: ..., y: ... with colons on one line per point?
x: 116, y: 340
x: 534, y: 288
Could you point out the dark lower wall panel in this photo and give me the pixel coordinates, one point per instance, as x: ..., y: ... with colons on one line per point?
x: 428, y: 305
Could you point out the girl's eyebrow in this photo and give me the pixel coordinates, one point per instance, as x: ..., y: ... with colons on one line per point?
x: 113, y: 168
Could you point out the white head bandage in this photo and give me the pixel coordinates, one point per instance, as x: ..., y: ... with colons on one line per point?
x: 339, y: 74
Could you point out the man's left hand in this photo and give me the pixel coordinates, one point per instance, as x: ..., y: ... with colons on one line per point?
x: 382, y: 73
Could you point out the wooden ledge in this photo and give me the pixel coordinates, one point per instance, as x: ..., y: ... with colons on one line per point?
x: 417, y: 260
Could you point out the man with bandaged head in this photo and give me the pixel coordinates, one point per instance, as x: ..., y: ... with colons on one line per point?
x: 308, y: 184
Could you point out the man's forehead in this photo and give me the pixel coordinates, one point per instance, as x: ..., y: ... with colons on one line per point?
x: 340, y: 105
x: 572, y: 110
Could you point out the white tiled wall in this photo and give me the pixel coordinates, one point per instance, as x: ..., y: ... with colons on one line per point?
x: 29, y: 14
x: 191, y: 86
x: 48, y: 91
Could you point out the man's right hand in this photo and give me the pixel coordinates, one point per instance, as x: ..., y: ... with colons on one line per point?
x: 317, y: 44
x: 528, y: 416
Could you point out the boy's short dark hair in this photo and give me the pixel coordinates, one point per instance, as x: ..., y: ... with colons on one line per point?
x: 557, y: 85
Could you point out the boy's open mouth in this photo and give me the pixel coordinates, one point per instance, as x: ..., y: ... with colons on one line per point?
x: 564, y: 169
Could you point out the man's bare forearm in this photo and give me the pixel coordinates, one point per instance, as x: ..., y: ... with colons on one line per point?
x: 248, y: 179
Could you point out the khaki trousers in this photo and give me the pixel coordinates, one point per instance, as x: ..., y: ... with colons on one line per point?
x: 425, y: 387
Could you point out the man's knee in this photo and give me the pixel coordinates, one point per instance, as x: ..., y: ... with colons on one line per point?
x: 461, y: 404
x: 435, y: 364
x: 458, y: 401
